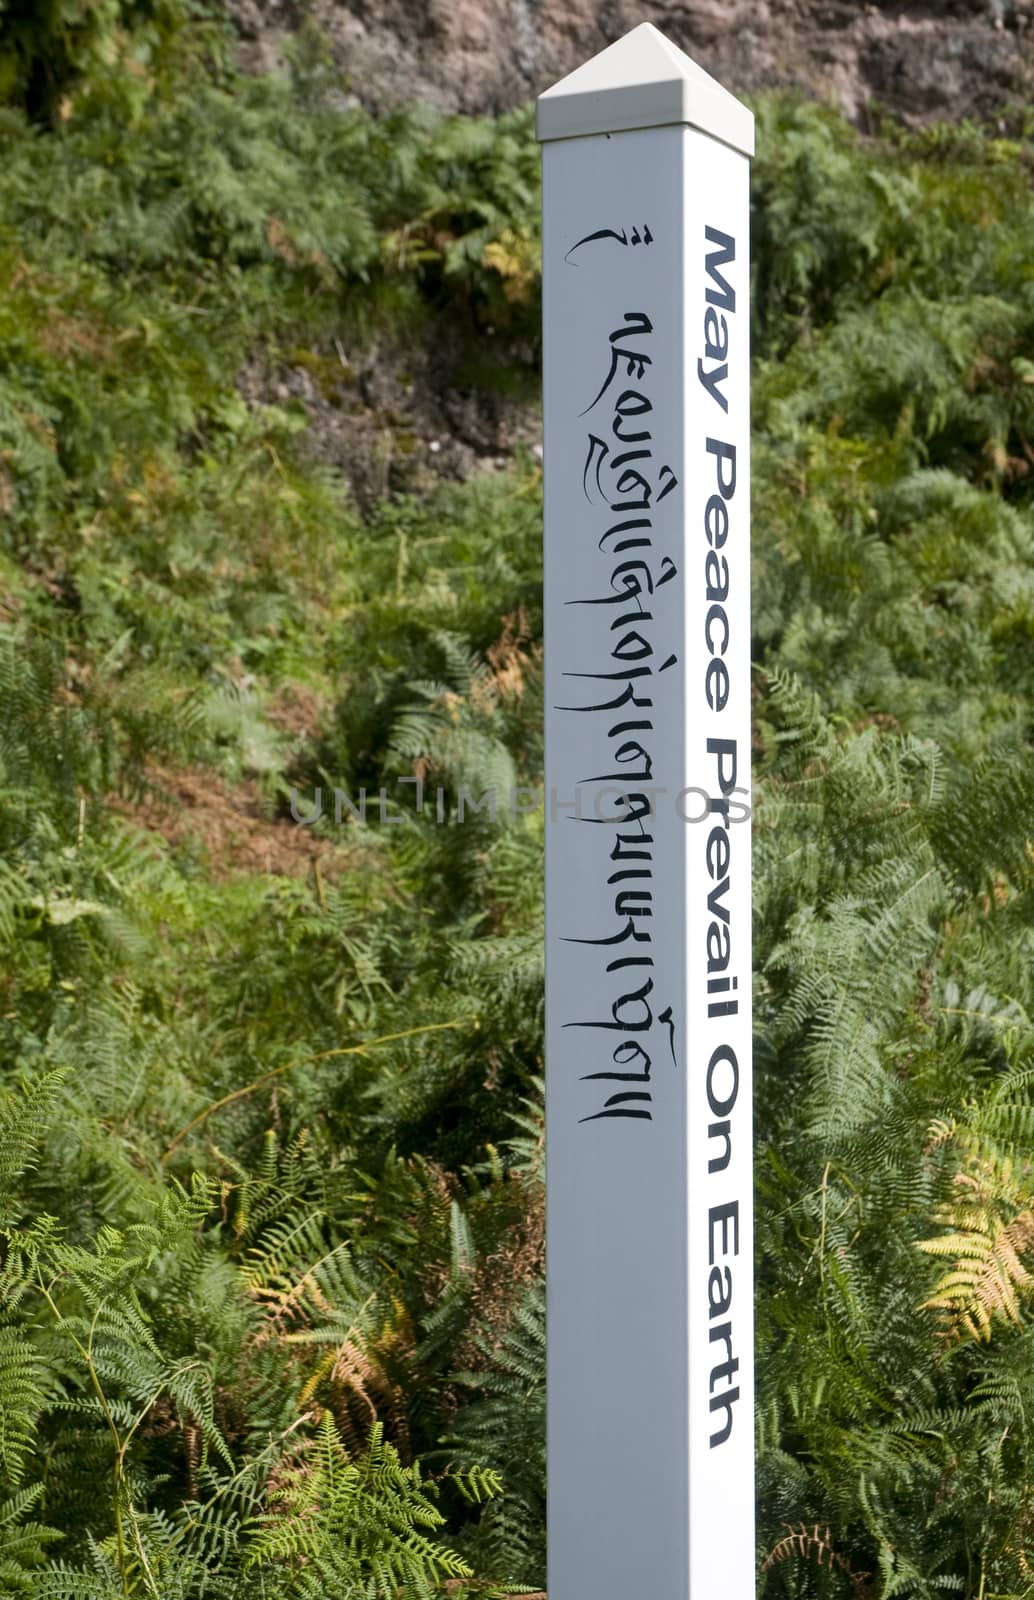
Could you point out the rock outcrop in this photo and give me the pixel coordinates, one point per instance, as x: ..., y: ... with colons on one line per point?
x: 944, y: 59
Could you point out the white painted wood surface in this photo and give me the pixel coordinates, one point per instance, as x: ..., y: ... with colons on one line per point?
x: 648, y: 969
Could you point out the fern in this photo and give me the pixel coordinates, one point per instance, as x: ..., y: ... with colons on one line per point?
x: 988, y: 1277
x: 271, y: 1311
x: 337, y: 1526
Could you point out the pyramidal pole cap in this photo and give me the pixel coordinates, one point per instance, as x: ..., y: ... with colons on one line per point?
x: 642, y: 81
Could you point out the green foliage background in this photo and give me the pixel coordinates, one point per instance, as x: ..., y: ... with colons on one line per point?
x: 271, y: 1310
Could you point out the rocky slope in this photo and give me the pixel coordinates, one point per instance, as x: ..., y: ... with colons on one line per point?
x: 944, y: 59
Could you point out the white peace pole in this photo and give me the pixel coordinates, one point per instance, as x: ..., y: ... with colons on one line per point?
x: 648, y: 1110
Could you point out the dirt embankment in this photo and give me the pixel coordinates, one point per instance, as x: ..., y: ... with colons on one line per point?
x: 944, y: 59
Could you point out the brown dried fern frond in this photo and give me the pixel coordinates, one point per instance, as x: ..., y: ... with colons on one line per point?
x: 939, y: 1131
x: 287, y: 1300
x: 358, y: 1380
x: 988, y: 1277
x: 814, y: 1544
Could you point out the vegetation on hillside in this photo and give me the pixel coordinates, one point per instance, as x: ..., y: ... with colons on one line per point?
x: 271, y: 1310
